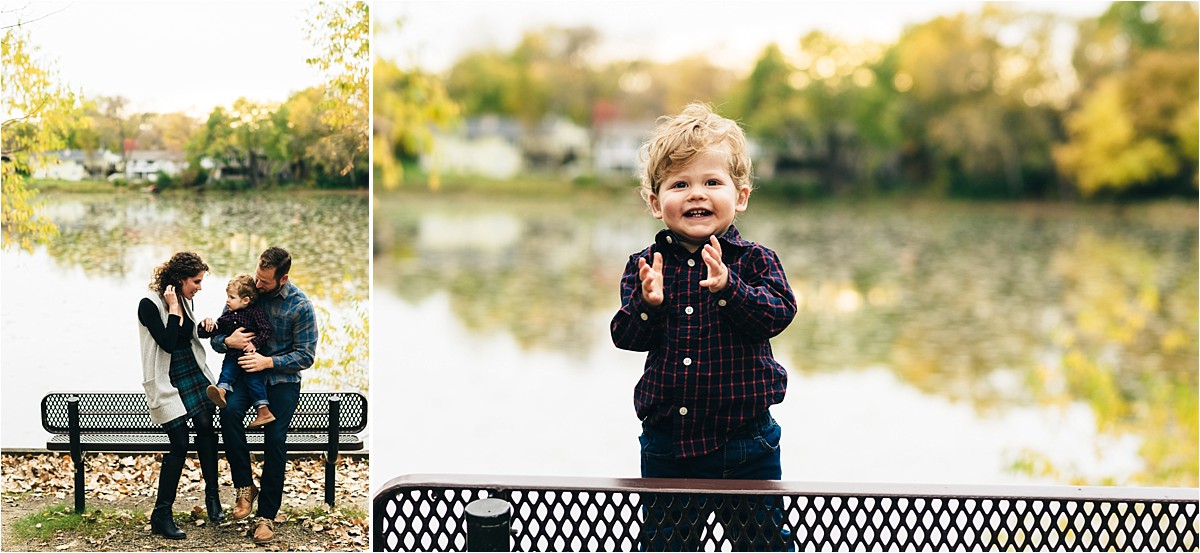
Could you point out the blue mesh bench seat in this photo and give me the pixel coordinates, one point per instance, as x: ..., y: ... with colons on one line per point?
x: 326, y: 422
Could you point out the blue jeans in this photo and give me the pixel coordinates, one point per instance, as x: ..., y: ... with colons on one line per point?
x: 256, y: 382
x: 283, y: 397
x: 674, y: 522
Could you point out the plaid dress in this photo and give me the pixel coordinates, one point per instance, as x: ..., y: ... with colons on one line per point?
x: 186, y: 376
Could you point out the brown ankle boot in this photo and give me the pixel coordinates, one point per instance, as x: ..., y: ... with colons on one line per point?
x: 264, y: 530
x: 245, y: 501
x: 216, y: 394
x: 264, y: 417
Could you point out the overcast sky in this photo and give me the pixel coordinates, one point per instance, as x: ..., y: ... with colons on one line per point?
x: 171, y: 55
x: 436, y: 32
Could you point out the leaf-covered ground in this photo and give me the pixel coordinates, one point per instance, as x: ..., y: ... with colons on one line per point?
x: 120, y: 496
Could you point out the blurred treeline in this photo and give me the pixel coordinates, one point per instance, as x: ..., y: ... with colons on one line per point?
x: 991, y: 104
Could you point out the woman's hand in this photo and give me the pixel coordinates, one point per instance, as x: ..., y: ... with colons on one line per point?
x: 208, y: 324
x: 170, y: 298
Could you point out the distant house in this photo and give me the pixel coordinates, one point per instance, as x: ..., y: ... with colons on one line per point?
x: 556, y: 143
x: 76, y: 165
x: 486, y: 146
x: 146, y: 164
x: 617, y: 146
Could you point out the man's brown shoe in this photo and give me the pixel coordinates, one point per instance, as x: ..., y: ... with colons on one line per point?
x: 245, y: 501
x: 216, y: 394
x: 265, y: 531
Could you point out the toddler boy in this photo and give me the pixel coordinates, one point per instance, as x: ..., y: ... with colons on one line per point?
x: 703, y: 302
x: 242, y: 312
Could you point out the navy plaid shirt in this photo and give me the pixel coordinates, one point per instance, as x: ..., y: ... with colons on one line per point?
x: 709, y: 367
x: 293, y: 344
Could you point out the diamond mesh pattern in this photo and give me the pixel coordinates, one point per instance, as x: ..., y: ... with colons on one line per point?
x: 126, y: 412
x: 580, y: 514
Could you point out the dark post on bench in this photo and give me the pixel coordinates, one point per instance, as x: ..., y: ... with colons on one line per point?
x: 488, y: 524
x: 76, y: 450
x: 335, y: 416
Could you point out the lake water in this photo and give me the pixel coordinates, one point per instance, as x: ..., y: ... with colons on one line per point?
x: 69, y: 308
x: 935, y: 342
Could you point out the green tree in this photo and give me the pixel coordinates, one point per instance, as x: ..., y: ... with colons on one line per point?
x: 341, y: 31
x: 978, y: 102
x: 247, y: 137
x: 39, y: 115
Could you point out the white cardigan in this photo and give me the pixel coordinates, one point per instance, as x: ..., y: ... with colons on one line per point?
x: 161, y: 396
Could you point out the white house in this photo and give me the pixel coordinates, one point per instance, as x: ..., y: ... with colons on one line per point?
x: 485, y: 146
x: 617, y: 146
x: 146, y: 164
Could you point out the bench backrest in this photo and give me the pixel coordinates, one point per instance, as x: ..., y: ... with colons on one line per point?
x: 126, y: 412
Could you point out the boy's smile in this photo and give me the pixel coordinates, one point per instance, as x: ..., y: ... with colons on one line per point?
x: 700, y: 199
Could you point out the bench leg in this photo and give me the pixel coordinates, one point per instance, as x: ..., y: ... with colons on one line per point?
x: 76, y: 450
x: 331, y: 455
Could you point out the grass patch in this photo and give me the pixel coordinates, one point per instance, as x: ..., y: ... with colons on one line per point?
x: 322, y: 510
x: 52, y: 520
x: 84, y: 186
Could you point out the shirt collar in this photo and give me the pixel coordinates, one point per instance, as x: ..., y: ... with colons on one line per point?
x: 666, y: 240
x: 283, y: 292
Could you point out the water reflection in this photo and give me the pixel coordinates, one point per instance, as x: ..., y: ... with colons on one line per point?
x: 1000, y: 307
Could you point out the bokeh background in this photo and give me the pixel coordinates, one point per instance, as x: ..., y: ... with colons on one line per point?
x: 987, y: 212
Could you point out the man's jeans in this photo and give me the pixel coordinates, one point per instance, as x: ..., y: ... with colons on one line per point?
x: 674, y: 522
x: 283, y: 397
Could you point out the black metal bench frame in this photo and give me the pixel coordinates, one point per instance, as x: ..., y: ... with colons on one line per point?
x: 433, y: 513
x: 326, y: 422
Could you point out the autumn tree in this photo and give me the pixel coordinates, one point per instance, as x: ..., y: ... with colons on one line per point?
x: 39, y: 114
x: 407, y: 103
x: 341, y: 32
x: 1135, y: 124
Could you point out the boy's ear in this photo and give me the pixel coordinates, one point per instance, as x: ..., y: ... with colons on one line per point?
x: 743, y: 199
x: 655, y: 207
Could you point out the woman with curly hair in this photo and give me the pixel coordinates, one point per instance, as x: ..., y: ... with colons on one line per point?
x: 175, y: 376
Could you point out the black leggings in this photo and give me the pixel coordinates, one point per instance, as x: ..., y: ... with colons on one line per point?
x: 203, y: 424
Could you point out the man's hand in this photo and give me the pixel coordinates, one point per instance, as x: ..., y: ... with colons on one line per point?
x: 255, y: 362
x: 239, y: 339
x: 652, y: 280
x: 718, y: 273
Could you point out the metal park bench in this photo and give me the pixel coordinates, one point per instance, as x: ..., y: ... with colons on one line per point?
x: 503, y: 513
x: 326, y: 422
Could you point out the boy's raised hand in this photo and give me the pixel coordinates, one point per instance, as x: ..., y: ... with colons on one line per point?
x: 652, y: 279
x: 718, y: 273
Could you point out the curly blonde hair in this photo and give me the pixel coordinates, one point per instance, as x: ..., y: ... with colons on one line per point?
x: 678, y: 139
x: 181, y: 266
x: 242, y: 286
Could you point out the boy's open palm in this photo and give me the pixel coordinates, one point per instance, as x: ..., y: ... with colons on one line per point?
x: 652, y: 279
x: 718, y: 273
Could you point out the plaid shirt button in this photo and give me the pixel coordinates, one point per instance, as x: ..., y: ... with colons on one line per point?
x: 683, y: 411
x: 691, y: 263
x: 687, y: 361
x: 721, y: 303
x: 645, y: 316
x: 688, y: 310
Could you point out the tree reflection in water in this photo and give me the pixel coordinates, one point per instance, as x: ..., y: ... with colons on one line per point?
x: 998, y: 305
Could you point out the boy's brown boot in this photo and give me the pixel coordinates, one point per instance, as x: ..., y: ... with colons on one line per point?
x: 264, y: 417
x: 216, y: 394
